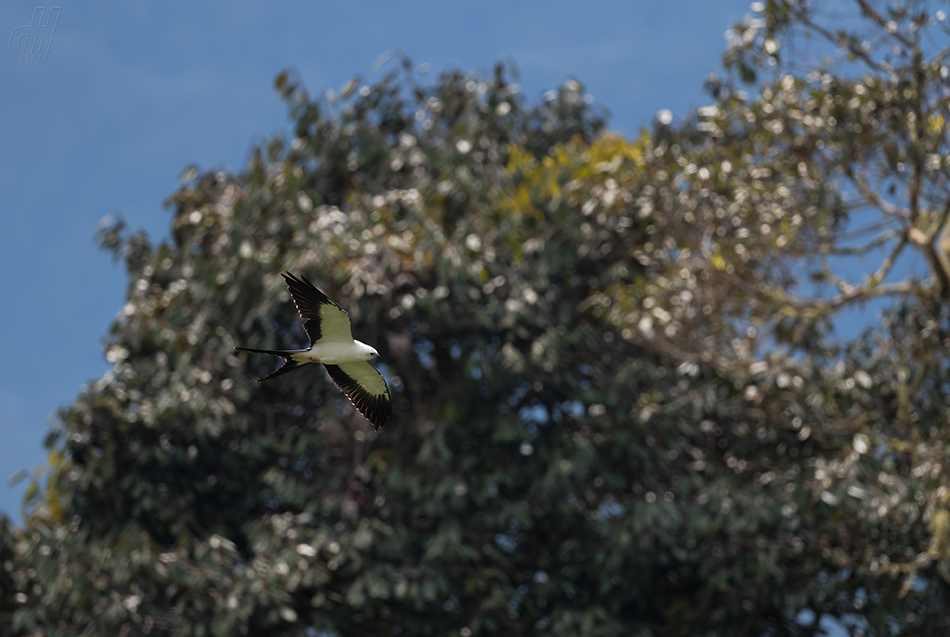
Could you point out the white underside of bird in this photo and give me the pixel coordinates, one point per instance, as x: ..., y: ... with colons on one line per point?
x: 332, y: 344
x: 335, y: 353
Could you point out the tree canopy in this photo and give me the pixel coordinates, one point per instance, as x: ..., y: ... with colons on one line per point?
x: 625, y: 397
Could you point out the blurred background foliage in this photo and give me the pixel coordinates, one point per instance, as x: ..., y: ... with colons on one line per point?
x: 621, y: 405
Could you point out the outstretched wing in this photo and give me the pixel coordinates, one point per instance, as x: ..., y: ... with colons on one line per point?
x: 323, y: 318
x: 366, y: 388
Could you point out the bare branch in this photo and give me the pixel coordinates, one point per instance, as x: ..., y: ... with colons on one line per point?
x: 862, y: 250
x: 834, y: 39
x: 872, y: 197
x: 944, y: 217
x: 863, y: 231
x: 888, y: 263
x: 814, y: 308
x: 878, y: 19
x: 865, y: 293
x: 929, y: 248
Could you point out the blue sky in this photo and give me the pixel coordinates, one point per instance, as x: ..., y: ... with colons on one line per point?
x: 132, y: 92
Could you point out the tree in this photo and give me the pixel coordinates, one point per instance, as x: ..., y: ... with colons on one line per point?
x: 621, y: 407
x: 755, y: 218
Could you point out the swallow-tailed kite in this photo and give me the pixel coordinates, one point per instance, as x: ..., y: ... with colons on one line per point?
x: 331, y: 343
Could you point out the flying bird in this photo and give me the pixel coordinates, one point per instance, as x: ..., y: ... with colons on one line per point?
x: 331, y: 343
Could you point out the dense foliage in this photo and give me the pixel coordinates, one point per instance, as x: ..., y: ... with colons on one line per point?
x: 620, y: 406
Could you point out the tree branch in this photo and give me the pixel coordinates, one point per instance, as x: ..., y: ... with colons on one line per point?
x: 938, y: 265
x: 862, y: 250
x: 878, y: 19
x: 872, y: 197
x: 834, y: 39
x: 856, y: 293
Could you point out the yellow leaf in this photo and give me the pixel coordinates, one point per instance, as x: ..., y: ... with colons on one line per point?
x: 940, y: 526
x: 935, y: 124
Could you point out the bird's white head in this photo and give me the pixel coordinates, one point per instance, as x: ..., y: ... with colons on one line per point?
x: 368, y: 352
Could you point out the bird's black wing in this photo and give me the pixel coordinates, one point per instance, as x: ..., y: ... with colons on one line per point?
x: 323, y: 318
x: 366, y: 388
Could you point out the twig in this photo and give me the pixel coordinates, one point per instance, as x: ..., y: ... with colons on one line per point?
x: 862, y: 250
x: 873, y: 198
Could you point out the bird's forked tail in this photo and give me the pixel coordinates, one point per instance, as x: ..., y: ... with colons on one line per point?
x: 288, y: 366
